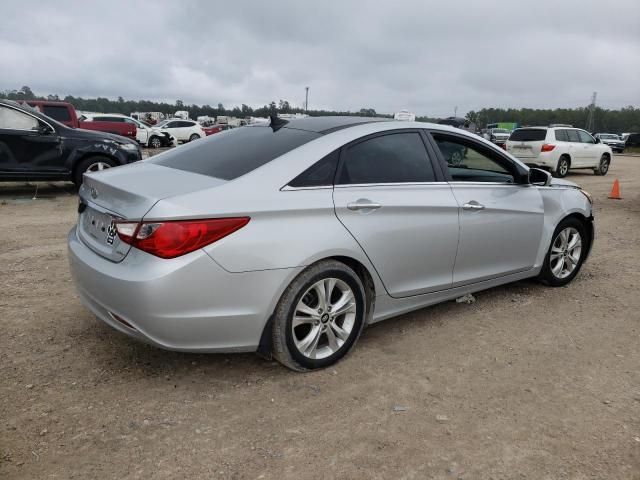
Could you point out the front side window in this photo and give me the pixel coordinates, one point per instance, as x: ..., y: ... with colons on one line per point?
x: 11, y: 119
x: 471, y: 162
x: 393, y: 158
x: 585, y: 137
x: 573, y: 136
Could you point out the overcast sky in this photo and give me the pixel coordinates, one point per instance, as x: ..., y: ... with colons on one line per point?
x: 424, y: 56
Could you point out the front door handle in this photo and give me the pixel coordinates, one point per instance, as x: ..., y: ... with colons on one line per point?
x: 473, y: 205
x: 363, y: 204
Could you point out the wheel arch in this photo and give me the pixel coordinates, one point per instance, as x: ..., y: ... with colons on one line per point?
x: 588, y: 225
x: 82, y: 156
x: 265, y: 345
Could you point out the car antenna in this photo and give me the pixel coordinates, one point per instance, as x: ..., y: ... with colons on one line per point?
x: 276, y: 123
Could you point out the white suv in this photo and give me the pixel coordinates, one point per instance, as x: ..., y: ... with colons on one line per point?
x: 182, y: 130
x: 559, y: 149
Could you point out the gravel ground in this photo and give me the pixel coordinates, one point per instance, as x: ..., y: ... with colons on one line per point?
x: 529, y: 382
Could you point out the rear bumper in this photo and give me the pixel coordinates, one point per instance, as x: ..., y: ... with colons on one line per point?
x: 188, y: 303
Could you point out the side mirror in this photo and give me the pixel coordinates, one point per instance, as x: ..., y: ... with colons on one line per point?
x: 598, y: 140
x: 44, y: 129
x: 539, y: 177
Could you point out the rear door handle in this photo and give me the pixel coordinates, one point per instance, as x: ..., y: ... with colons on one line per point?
x: 473, y: 205
x: 363, y: 204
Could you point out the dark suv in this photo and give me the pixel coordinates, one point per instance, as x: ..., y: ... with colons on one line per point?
x: 36, y: 147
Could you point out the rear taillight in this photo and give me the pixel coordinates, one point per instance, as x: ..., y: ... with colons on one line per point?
x: 174, y: 238
x: 547, y: 147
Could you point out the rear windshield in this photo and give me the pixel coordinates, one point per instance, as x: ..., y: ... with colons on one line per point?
x: 528, y: 135
x: 57, y: 112
x: 233, y: 153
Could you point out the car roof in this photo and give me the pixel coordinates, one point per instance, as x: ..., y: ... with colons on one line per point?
x: 324, y: 125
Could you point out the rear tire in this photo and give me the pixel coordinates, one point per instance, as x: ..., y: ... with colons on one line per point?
x: 568, y: 249
x: 91, y: 164
x: 562, y: 168
x: 603, y: 166
x: 319, y: 337
x: 193, y: 137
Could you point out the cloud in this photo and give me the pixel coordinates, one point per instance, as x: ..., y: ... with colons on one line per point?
x: 427, y: 57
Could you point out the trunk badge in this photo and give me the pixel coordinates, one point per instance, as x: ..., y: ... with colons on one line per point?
x: 94, y: 193
x: 111, y: 233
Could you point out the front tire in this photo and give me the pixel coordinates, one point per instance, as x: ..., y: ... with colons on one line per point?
x: 91, y: 164
x: 319, y: 317
x: 155, y: 142
x: 569, y: 246
x: 603, y: 166
x: 562, y: 168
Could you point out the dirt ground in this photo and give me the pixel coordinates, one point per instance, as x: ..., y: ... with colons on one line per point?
x: 529, y: 382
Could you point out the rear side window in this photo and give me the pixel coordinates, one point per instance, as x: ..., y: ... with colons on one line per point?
x: 59, y: 113
x: 561, y: 135
x: 395, y: 158
x: 108, y: 119
x: 228, y: 155
x: 319, y: 174
x: 528, y: 135
x: 573, y: 136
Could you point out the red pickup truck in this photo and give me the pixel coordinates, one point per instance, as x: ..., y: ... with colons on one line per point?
x: 65, y: 113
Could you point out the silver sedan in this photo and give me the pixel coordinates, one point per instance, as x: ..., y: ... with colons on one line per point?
x: 288, y: 239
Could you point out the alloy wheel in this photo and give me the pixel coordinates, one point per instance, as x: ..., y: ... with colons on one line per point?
x: 563, y: 168
x: 324, y: 318
x: 97, y: 167
x: 604, y: 166
x: 565, y: 252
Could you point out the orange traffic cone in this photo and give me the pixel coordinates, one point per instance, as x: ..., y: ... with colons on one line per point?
x: 615, y: 191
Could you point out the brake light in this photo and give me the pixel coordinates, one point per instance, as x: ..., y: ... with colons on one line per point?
x: 547, y: 147
x: 174, y: 238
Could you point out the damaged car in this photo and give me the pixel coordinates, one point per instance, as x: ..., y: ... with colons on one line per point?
x: 36, y: 147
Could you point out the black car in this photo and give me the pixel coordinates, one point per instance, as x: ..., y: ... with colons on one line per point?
x: 36, y: 147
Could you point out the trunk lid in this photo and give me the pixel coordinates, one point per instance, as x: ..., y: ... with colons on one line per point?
x: 128, y: 193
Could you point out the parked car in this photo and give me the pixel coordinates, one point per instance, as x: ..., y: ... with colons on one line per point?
x: 499, y: 136
x: 559, y: 149
x: 33, y: 146
x: 182, y: 130
x: 145, y: 134
x: 611, y: 139
x: 216, y: 128
x: 633, y: 140
x: 66, y: 114
x: 288, y: 239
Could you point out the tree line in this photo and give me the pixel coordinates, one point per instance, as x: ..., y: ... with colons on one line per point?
x: 626, y: 119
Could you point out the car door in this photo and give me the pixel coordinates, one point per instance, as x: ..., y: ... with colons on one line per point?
x: 576, y: 148
x: 590, y: 150
x: 174, y: 129
x: 27, y: 144
x: 402, y: 214
x: 501, y: 214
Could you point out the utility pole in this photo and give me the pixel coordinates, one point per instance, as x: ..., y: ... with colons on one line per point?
x: 306, y: 99
x: 455, y: 111
x: 591, y: 120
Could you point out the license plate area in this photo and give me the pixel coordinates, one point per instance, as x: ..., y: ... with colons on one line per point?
x: 96, y: 229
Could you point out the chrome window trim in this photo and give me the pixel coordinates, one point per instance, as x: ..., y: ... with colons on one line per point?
x: 26, y: 113
x: 494, y: 184
x: 390, y: 184
x: 288, y: 188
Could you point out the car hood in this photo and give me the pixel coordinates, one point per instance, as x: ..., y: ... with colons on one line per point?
x: 92, y: 135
